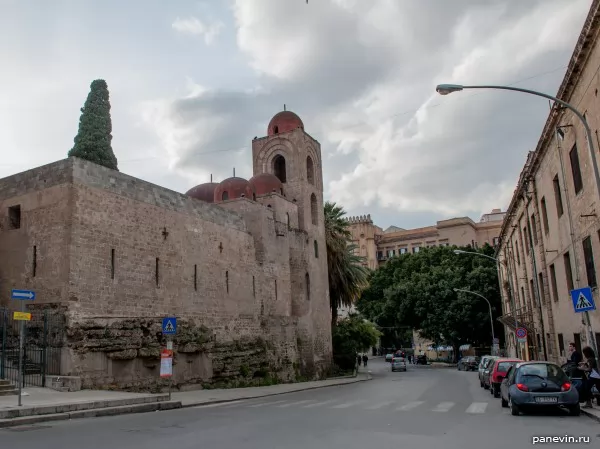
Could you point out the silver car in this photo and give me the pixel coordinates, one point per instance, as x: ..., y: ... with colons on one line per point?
x: 530, y: 385
x: 483, y: 364
x: 398, y: 364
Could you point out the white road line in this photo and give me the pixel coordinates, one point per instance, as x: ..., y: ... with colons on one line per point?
x: 410, y: 406
x: 348, y: 404
x: 443, y: 407
x: 294, y: 403
x: 319, y: 404
x: 262, y: 404
x: 477, y: 407
x: 380, y: 405
x: 219, y: 404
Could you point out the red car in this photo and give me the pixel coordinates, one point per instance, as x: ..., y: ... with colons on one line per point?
x: 498, y: 373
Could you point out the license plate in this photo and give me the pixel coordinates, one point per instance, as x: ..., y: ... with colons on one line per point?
x: 546, y: 399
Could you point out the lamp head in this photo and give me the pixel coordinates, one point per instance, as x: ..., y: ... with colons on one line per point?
x: 445, y: 89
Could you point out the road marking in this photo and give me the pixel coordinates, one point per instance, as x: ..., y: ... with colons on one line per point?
x: 348, y: 404
x: 443, y: 407
x: 378, y: 406
x: 219, y: 404
x: 477, y: 407
x: 410, y: 406
x: 262, y: 404
x: 318, y: 404
x: 294, y: 403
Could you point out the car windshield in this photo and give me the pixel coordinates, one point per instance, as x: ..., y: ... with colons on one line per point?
x: 504, y: 366
x: 488, y: 362
x: 544, y: 371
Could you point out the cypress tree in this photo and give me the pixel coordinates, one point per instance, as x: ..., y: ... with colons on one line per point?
x: 93, y: 140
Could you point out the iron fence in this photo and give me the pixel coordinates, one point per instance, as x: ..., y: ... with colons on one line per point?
x: 43, y: 340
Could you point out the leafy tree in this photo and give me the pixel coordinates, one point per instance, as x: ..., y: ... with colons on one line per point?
x: 417, y: 290
x: 351, y: 336
x: 93, y: 140
x: 347, y: 275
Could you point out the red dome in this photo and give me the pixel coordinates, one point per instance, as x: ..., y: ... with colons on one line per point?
x: 284, y: 122
x: 204, y: 192
x: 266, y: 183
x: 232, y: 188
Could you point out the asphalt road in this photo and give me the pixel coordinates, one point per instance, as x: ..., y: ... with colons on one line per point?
x: 424, y: 408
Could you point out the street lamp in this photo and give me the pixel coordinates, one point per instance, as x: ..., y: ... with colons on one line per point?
x: 446, y: 89
x: 512, y: 297
x: 489, y: 305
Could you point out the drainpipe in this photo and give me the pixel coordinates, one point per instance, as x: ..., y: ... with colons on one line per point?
x: 536, y: 285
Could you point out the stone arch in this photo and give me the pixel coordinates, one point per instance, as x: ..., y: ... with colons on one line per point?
x: 279, y: 168
x: 277, y: 146
x: 310, y: 170
x: 314, y: 211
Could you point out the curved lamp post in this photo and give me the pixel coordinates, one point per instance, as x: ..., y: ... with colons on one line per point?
x: 446, y: 89
x: 489, y: 305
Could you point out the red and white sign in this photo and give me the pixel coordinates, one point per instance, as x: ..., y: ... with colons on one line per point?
x: 166, y: 363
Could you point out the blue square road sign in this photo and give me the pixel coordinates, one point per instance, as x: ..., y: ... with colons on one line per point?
x: 169, y: 326
x: 583, y: 300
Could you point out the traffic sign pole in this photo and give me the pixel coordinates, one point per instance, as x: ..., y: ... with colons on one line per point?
x: 21, y: 338
x: 169, y: 328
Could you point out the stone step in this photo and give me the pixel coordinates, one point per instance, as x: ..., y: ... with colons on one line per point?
x: 91, y: 413
x: 6, y: 387
x: 11, y: 392
x: 26, y: 410
x: 4, y: 382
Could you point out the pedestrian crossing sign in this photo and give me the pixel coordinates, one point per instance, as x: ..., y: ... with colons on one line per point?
x: 583, y: 300
x: 169, y: 326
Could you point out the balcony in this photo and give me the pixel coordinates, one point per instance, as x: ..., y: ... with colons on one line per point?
x: 524, y: 319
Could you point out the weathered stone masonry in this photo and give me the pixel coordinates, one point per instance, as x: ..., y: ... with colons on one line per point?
x: 244, y: 277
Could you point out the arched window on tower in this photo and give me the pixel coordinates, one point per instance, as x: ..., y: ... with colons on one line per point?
x: 225, y: 196
x: 307, y: 282
x: 279, y: 167
x: 310, y: 170
x: 313, y: 209
x: 276, y: 129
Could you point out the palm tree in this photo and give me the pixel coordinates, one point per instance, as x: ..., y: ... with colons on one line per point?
x: 347, y: 274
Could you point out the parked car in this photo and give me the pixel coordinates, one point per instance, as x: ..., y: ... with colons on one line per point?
x: 389, y: 357
x: 498, y: 373
x: 469, y: 363
x: 485, y: 361
x: 538, y: 384
x: 421, y: 360
x: 398, y: 364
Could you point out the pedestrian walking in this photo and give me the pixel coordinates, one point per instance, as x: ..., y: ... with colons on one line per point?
x: 358, y: 360
x: 365, y: 359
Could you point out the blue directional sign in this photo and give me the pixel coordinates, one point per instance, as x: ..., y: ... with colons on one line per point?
x: 169, y: 326
x: 23, y: 295
x: 583, y: 300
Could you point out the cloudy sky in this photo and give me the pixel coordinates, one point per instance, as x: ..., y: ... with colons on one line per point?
x: 192, y: 82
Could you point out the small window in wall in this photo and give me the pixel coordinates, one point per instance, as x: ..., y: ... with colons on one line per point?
x: 253, y: 286
x: 558, y: 196
x: 576, y: 170
x: 553, y: 283
x: 403, y: 250
x: 227, y: 281
x: 541, y: 288
x: 34, y: 262
x: 279, y: 168
x: 275, y: 290
x: 517, y: 252
x: 195, y: 277
x: 561, y: 345
x: 156, y: 273
x: 534, y: 230
x: 316, y: 247
x: 14, y: 217
x: 225, y: 196
x: 549, y: 342
x: 310, y: 170
x: 307, y: 283
x: 544, y: 215
x: 314, y: 211
x: 415, y: 249
x: 287, y: 215
x: 112, y: 263
x: 526, y: 234
x: 568, y: 271
x: 276, y: 129
x: 590, y: 266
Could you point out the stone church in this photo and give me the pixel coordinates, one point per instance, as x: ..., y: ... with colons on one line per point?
x: 241, y: 264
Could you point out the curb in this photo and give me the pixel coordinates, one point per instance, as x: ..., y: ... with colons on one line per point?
x: 91, y: 413
x: 220, y: 401
x: 590, y: 415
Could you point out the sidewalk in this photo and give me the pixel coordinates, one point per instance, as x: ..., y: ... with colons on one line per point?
x: 42, y: 404
x: 593, y: 413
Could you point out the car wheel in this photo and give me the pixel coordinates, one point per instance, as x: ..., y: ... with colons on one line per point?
x: 481, y: 384
x: 485, y: 387
x: 504, y: 402
x: 575, y: 410
x: 496, y: 392
x: 514, y: 410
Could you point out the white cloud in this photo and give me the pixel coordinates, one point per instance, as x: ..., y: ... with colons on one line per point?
x: 197, y: 27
